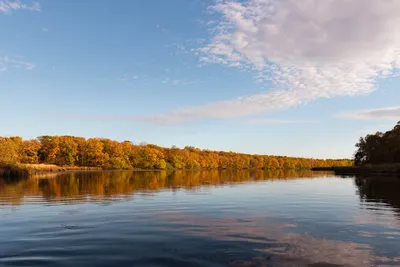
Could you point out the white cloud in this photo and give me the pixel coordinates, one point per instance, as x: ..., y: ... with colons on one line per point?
x: 6, y: 62
x: 6, y: 6
x: 391, y: 113
x: 309, y: 49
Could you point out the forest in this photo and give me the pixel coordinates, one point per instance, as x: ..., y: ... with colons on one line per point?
x: 109, y: 154
x: 379, y: 148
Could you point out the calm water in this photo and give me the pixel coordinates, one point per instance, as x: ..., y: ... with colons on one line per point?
x: 200, y: 219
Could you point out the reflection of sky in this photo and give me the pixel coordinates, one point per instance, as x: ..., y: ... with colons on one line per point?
x: 278, y: 241
x: 309, y: 220
x: 325, y: 199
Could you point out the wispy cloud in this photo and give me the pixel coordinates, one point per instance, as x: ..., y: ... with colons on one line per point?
x: 158, y: 26
x: 132, y: 79
x: 7, y: 62
x: 129, y: 78
x: 176, y: 82
x: 158, y: 120
x: 170, y: 120
x: 390, y: 113
x: 260, y: 121
x: 239, y: 107
x: 178, y: 48
x: 7, y: 6
x: 309, y: 49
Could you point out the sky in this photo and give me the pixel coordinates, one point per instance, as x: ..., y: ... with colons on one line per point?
x: 301, y: 78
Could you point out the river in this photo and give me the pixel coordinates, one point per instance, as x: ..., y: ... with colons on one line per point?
x: 208, y: 218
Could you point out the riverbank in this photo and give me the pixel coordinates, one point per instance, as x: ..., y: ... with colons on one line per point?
x: 392, y: 169
x: 25, y: 170
x: 12, y: 171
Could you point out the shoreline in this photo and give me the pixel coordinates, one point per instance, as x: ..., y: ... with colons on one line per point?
x: 11, y: 171
x: 382, y: 169
x: 26, y: 170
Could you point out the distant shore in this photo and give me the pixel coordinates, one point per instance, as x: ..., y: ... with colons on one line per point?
x: 363, y: 169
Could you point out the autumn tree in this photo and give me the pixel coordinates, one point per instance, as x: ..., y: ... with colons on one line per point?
x: 29, y: 151
x: 49, y: 148
x: 110, y: 154
x: 95, y: 154
x: 67, y: 153
x: 148, y: 157
x: 10, y: 150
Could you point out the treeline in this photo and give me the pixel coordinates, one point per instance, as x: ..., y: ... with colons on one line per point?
x: 379, y: 148
x: 109, y: 154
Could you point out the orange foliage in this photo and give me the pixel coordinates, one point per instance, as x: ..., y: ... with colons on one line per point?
x: 109, y: 154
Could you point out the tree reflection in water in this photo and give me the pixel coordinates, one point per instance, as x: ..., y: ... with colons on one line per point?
x: 97, y: 186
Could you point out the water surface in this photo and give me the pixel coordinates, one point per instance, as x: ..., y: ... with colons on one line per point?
x: 210, y: 218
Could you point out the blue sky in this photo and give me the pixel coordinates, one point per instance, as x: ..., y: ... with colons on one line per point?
x: 295, y: 78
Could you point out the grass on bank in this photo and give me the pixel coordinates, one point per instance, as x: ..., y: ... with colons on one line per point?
x: 35, y: 168
x: 24, y: 170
